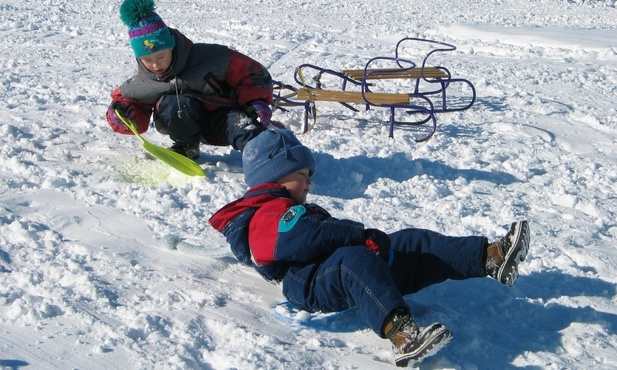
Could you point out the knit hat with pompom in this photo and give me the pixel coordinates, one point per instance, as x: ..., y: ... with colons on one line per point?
x: 147, y: 30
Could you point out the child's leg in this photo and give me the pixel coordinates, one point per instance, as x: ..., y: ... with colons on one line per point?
x: 355, y: 276
x: 424, y: 257
x: 179, y: 117
x: 231, y: 127
x: 350, y: 277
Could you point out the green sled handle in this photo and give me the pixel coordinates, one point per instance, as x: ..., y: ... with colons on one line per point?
x: 175, y: 160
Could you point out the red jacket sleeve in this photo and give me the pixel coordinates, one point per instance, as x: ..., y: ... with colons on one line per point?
x: 141, y: 117
x: 251, y: 80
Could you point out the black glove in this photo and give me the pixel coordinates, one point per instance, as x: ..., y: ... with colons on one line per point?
x: 126, y: 111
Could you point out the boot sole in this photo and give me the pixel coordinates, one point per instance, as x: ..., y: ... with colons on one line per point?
x: 520, y: 236
x: 439, y: 341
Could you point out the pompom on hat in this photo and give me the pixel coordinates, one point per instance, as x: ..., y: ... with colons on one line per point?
x: 147, y: 30
x: 274, y: 154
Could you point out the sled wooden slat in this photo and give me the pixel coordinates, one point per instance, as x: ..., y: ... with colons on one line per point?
x: 415, y: 73
x: 351, y: 97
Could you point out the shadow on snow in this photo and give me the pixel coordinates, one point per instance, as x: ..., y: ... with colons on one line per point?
x: 339, y: 176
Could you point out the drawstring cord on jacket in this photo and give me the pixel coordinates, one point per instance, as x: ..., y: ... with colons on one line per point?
x: 177, y: 96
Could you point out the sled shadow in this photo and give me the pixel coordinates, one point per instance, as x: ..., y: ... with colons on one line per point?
x: 349, y: 178
x: 491, y: 104
x: 12, y: 364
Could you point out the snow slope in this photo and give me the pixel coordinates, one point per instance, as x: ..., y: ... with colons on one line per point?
x: 86, y: 283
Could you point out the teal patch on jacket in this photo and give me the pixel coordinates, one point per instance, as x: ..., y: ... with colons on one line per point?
x: 289, y: 219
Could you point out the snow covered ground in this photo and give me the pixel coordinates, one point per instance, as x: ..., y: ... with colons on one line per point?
x: 86, y: 284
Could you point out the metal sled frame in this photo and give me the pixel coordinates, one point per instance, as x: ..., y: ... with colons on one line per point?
x: 360, y: 87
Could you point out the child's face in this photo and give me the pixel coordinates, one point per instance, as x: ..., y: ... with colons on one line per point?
x: 157, y: 62
x: 298, y: 184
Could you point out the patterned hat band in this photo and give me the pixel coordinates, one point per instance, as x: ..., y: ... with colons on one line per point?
x: 146, y: 30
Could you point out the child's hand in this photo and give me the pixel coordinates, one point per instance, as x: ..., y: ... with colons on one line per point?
x: 377, y: 241
x: 263, y: 111
x: 127, y: 112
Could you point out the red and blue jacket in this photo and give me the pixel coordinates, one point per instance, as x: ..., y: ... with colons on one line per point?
x: 213, y: 74
x: 270, y: 231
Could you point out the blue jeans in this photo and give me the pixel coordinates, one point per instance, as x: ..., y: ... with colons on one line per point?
x: 356, y: 277
x: 221, y: 127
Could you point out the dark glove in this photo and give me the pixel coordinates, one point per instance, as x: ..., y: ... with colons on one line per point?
x: 263, y: 111
x: 378, y: 242
x: 126, y: 111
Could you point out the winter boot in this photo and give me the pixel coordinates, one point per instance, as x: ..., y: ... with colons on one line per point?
x: 412, y: 343
x: 188, y: 150
x: 504, y: 255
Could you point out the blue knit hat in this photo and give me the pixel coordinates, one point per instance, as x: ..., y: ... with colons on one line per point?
x: 147, y: 30
x: 274, y: 154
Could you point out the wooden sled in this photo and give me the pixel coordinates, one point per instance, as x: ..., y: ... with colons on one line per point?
x: 422, y: 94
x: 306, y: 96
x: 428, y: 81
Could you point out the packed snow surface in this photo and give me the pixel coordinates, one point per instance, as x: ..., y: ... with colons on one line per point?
x: 86, y: 277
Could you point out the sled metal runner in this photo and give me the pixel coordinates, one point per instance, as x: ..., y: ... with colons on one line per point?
x: 420, y: 91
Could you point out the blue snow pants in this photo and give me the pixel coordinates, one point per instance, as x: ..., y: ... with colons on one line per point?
x: 194, y: 123
x: 356, y: 277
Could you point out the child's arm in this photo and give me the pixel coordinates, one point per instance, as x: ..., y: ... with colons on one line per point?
x: 316, y: 236
x: 300, y: 236
x: 251, y: 80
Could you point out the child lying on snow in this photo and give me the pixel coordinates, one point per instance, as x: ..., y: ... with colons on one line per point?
x: 327, y: 264
x: 198, y: 92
